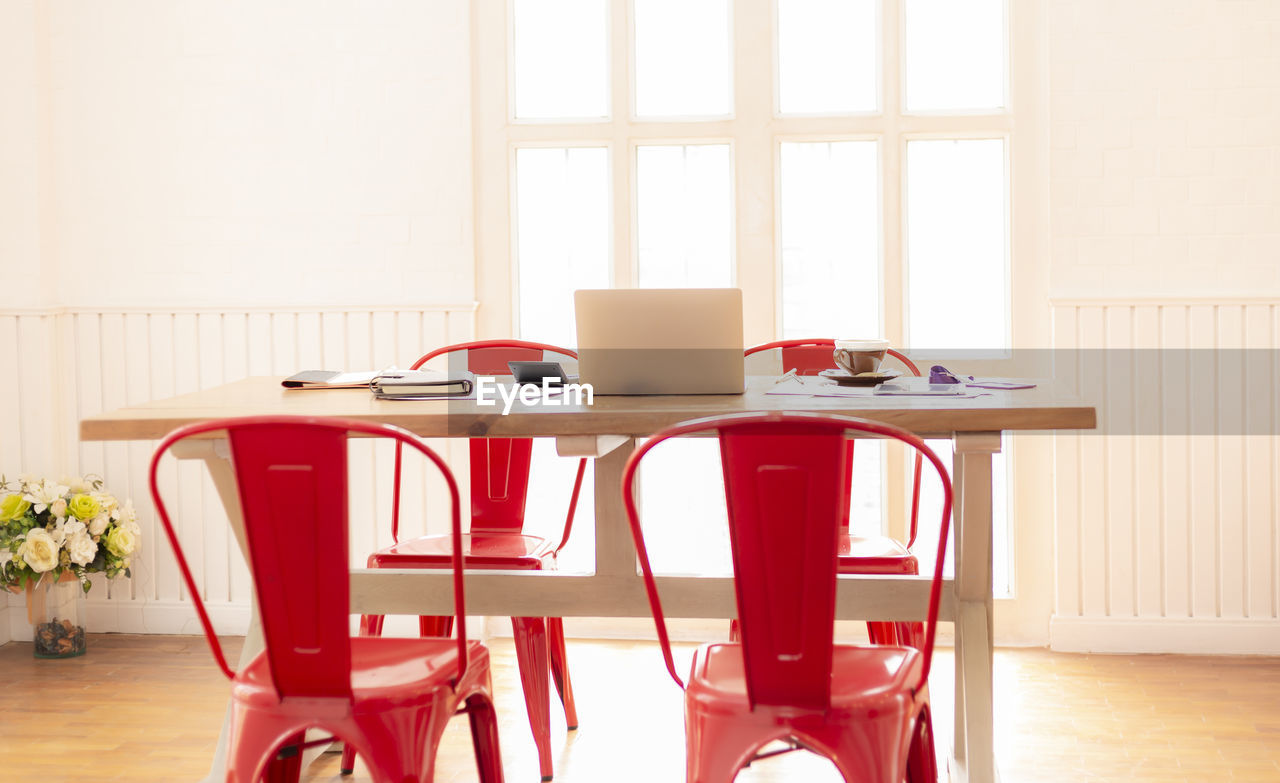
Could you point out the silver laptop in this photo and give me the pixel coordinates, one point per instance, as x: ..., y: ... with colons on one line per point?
x: 660, y: 340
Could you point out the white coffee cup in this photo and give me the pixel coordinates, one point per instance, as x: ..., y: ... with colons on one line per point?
x: 856, y: 356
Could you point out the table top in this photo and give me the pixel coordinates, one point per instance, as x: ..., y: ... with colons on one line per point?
x: 1041, y: 408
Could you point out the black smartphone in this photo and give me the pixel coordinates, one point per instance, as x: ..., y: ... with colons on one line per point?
x: 536, y: 372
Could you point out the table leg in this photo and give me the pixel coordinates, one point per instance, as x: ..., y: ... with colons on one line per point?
x: 958, y: 741
x: 615, y: 551
x: 974, y: 739
x: 216, y: 458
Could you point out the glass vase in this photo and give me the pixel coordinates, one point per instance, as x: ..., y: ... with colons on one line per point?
x: 55, y: 609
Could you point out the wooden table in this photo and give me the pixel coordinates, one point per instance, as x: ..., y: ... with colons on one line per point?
x: 606, y: 431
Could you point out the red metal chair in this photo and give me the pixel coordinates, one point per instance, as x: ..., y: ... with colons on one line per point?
x: 860, y: 554
x: 499, y: 484
x: 864, y: 707
x: 388, y: 698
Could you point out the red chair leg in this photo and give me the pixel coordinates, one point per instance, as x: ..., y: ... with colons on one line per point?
x: 869, y: 751
x: 533, y: 659
x: 371, y: 624
x: 252, y: 750
x: 911, y: 634
x: 735, y: 631
x: 286, y: 770
x: 882, y: 633
x: 560, y: 670
x: 484, y: 736
x: 435, y: 626
x: 402, y: 747
x: 922, y: 758
x: 348, y: 763
x: 714, y: 748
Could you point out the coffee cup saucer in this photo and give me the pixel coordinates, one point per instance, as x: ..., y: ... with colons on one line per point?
x: 844, y: 378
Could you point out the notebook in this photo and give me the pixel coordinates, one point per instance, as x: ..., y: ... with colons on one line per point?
x: 421, y: 384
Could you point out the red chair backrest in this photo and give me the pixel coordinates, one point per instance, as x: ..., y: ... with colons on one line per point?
x: 291, y: 473
x: 499, y: 466
x: 783, y: 490
x: 783, y: 484
x: 812, y: 355
x: 293, y: 494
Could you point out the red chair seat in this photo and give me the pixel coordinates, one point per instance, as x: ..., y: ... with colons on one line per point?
x: 861, y: 677
x: 873, y: 555
x: 479, y: 550
x: 385, y: 672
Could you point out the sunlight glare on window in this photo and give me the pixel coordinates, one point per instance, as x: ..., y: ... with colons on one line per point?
x: 682, y: 58
x: 828, y: 51
x: 684, y: 206
x: 830, y: 214
x: 561, y: 62
x: 931, y: 515
x: 955, y: 55
x: 957, y: 245
x: 562, y: 235
x: 682, y: 508
x: 866, y: 501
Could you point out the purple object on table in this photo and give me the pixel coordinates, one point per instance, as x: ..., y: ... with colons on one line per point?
x: 940, y: 374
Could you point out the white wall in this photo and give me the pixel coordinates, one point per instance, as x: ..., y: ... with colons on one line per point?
x: 194, y: 191
x: 210, y: 152
x: 1165, y: 215
x: 1165, y: 136
x: 21, y: 148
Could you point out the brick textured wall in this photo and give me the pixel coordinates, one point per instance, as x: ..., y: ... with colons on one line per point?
x: 1165, y: 147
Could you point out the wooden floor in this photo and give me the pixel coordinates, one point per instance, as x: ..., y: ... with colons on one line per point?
x: 148, y: 708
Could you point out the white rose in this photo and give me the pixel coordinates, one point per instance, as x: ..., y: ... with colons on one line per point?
x: 98, y: 524
x: 81, y: 548
x: 39, y: 551
x: 58, y: 507
x: 121, y: 541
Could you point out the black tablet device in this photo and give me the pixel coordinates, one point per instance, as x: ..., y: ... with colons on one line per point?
x: 537, y: 372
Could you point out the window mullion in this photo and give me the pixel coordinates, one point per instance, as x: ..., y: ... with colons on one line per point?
x: 956, y: 126
x: 893, y: 255
x: 891, y: 158
x: 755, y: 247
x: 495, y: 262
x: 621, y: 153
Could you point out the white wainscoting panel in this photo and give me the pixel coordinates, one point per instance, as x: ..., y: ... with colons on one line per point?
x: 1166, y: 533
x: 76, y: 363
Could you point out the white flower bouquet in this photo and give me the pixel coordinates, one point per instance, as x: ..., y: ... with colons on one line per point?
x: 51, y: 529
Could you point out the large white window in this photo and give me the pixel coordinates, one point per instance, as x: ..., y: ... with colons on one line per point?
x: 847, y: 163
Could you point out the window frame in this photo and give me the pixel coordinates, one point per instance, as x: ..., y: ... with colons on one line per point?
x: 755, y: 131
